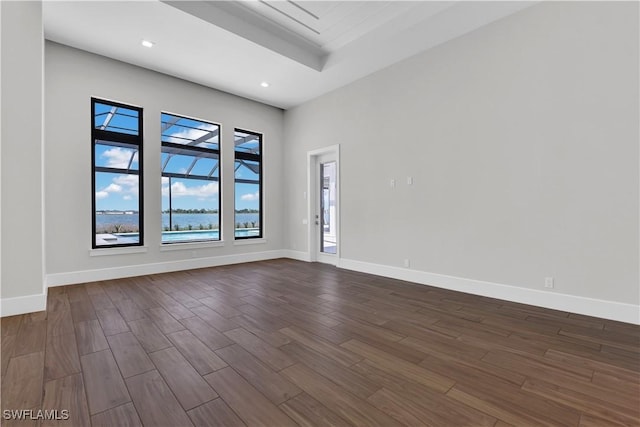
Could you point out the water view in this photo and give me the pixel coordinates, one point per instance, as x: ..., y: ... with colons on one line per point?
x: 128, y: 222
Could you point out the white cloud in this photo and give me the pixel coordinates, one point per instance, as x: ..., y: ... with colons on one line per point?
x: 127, y: 185
x: 113, y: 188
x: 126, y: 180
x: 118, y: 157
x: 250, y: 196
x: 178, y: 189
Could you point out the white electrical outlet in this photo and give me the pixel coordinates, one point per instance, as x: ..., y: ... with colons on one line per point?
x: 409, y: 180
x: 407, y: 263
x: 548, y: 282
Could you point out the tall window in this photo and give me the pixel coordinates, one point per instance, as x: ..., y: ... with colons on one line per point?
x: 190, y: 179
x: 248, y: 184
x: 117, y: 174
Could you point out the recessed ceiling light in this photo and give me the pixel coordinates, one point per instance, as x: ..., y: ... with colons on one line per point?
x: 264, y: 84
x: 147, y: 43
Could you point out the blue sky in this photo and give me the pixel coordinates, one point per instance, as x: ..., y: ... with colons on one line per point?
x: 120, y: 191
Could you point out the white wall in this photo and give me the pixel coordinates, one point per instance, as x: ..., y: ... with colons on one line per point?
x: 522, y: 141
x: 521, y: 137
x: 72, y: 78
x: 22, y: 48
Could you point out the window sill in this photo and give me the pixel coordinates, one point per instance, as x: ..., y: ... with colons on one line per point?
x: 190, y: 245
x: 243, y: 242
x: 118, y: 251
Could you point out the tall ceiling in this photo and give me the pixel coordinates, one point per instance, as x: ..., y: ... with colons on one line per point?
x: 303, y: 49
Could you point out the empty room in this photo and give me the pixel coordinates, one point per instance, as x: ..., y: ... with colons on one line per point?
x: 320, y: 213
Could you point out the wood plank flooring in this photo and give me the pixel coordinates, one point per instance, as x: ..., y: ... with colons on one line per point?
x: 286, y: 343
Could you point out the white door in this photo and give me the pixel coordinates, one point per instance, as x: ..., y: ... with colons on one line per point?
x: 324, y: 206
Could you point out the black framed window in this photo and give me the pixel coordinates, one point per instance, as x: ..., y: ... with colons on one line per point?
x: 116, y: 158
x: 248, y: 184
x: 190, y: 179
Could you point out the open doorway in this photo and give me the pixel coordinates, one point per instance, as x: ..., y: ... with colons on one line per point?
x: 324, y: 205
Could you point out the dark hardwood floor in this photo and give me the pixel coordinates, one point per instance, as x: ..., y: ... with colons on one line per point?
x: 284, y: 343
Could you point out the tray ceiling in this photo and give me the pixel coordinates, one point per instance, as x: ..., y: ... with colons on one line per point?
x: 302, y: 48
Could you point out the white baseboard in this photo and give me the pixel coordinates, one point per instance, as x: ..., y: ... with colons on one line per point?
x: 61, y: 279
x: 22, y: 305
x: 622, y: 312
x: 297, y: 255
x: 612, y: 310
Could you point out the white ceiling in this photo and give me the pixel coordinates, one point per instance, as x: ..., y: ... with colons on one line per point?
x: 330, y: 24
x: 302, y: 48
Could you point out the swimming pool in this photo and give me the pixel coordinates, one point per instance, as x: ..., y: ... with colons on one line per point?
x: 190, y: 235
x: 185, y: 236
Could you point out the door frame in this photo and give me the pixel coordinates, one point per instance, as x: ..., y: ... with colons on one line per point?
x: 313, y: 195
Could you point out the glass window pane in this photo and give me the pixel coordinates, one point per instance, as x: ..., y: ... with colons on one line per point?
x: 191, y: 201
x: 118, y: 156
x: 191, y: 132
x: 246, y: 169
x: 116, y: 144
x: 116, y: 119
x: 247, y: 214
x: 190, y: 210
x: 205, y: 167
x: 117, y: 209
x: 178, y: 164
x: 248, y: 185
x: 190, y: 164
x: 247, y: 142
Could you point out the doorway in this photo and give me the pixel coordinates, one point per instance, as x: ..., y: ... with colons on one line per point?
x: 324, y: 205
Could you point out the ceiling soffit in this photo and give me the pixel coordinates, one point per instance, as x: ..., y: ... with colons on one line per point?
x: 312, y: 33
